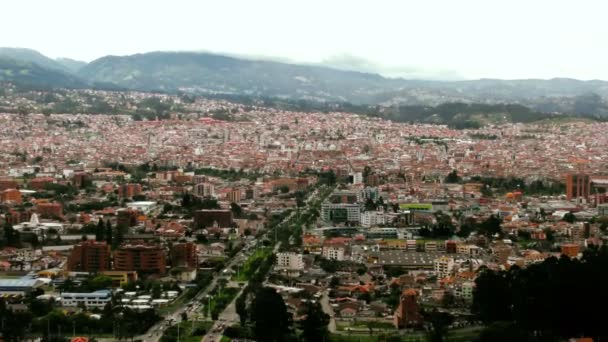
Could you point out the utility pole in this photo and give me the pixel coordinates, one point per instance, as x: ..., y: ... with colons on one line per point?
x: 177, y: 332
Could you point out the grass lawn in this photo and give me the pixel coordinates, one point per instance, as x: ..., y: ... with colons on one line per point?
x: 251, y: 264
x: 190, y: 331
x: 220, y: 301
x: 456, y: 335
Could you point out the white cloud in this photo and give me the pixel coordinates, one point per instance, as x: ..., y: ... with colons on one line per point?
x: 472, y: 38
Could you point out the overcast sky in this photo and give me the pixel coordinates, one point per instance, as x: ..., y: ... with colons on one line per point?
x: 425, y: 38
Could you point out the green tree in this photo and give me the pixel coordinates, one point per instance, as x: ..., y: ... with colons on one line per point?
x: 452, y: 177
x: 109, y: 232
x: 440, y: 322
x: 569, y: 217
x: 491, y: 226
x: 269, y: 315
x: 314, y: 326
x: 99, y: 230
x: 11, y: 236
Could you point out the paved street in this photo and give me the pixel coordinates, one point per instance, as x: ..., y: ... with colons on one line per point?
x: 330, y: 311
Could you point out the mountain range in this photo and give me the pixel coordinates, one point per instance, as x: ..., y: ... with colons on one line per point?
x: 207, y: 73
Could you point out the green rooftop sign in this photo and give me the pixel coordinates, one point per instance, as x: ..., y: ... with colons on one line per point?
x: 416, y: 206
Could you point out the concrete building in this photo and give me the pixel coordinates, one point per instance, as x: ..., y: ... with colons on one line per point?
x: 373, y: 218
x: 204, y: 190
x: 290, y: 261
x: 334, y: 252
x: 97, y: 299
x: 341, y: 212
x: 443, y: 266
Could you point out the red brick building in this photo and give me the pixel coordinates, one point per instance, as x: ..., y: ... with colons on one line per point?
x: 90, y: 256
x: 50, y: 209
x: 141, y: 258
x: 126, y: 217
x: 129, y: 190
x: 10, y: 196
x: 184, y: 255
x: 39, y: 183
x: 8, y: 183
x: 81, y: 180
x: 408, y: 312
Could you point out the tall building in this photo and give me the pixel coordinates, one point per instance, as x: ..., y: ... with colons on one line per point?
x: 184, y: 255
x: 129, y: 190
x: 209, y: 217
x: 290, y: 261
x: 126, y: 217
x: 443, y: 266
x: 141, y: 258
x: 407, y: 313
x: 577, y: 186
x: 234, y: 195
x: 204, y: 190
x: 89, y: 256
x: 81, y: 180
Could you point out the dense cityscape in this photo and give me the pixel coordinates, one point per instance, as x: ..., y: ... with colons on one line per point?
x: 303, y: 171
x: 230, y: 221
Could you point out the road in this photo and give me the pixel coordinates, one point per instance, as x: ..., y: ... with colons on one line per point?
x: 229, y: 316
x: 192, y: 306
x: 330, y: 311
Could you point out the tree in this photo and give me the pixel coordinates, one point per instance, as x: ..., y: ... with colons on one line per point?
x: 184, y: 316
x: 236, y: 209
x: 452, y: 177
x: 491, y: 226
x: 440, y: 322
x: 109, y: 232
x: 370, y: 205
x: 269, y: 315
x: 11, y: 236
x: 99, y: 230
x: 241, y: 308
x: 569, y: 217
x: 314, y: 326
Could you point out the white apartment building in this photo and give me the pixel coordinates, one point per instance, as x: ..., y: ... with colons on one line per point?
x: 334, y: 253
x: 443, y: 266
x: 204, y: 190
x: 373, y: 218
x: 290, y: 261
